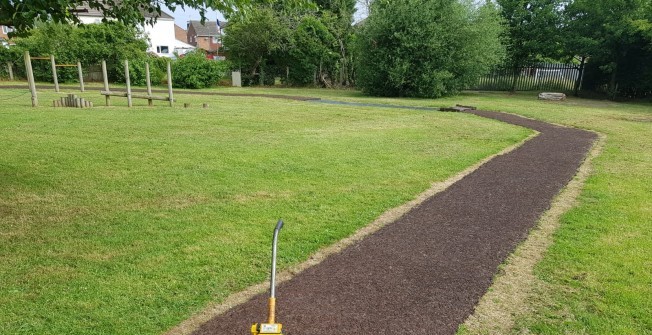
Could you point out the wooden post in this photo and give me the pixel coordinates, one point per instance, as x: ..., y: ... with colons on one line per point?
x: 149, y: 84
x: 10, y: 69
x: 30, y: 78
x: 106, y: 83
x: 54, y: 73
x: 81, y: 77
x: 128, y: 82
x: 170, y: 85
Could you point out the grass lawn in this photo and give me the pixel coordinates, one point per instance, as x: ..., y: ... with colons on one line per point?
x: 597, y: 276
x: 127, y: 221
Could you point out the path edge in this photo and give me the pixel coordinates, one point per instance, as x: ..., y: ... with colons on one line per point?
x: 515, y: 282
x: 193, y: 323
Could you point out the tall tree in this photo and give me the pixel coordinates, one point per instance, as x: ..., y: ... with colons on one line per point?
x: 427, y: 48
x: 252, y: 39
x: 616, y: 36
x: 532, y: 31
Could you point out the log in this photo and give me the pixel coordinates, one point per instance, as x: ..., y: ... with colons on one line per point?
x: 552, y: 96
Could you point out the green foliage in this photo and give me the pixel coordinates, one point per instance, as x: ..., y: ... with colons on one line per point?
x: 422, y: 48
x: 88, y: 44
x: 312, y: 48
x: 24, y: 14
x: 532, y: 29
x: 617, y: 42
x: 194, y: 70
x: 302, y: 47
x: 251, y: 40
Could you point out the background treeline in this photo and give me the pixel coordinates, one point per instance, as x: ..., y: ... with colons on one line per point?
x: 420, y: 48
x: 112, y: 42
x: 301, y: 46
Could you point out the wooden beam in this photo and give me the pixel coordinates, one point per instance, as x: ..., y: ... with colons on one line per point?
x: 54, y: 73
x: 81, y: 77
x: 106, y: 82
x: 30, y: 79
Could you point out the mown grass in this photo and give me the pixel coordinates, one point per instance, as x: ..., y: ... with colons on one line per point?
x: 127, y: 221
x: 597, y: 276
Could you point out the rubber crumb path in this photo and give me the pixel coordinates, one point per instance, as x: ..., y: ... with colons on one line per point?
x: 424, y: 273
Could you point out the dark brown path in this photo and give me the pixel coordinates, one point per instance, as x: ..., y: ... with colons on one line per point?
x: 424, y: 273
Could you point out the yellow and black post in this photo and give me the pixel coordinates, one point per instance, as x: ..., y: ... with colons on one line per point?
x: 271, y: 327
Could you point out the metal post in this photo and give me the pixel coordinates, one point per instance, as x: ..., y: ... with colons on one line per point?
x: 54, y: 73
x: 81, y: 77
x: 149, y: 84
x: 128, y: 82
x: 170, y: 96
x: 271, y: 317
x: 106, y: 83
x: 30, y: 79
x: 10, y: 69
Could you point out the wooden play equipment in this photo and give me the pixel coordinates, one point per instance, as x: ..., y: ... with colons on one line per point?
x: 72, y: 101
x: 30, y: 74
x: 108, y: 93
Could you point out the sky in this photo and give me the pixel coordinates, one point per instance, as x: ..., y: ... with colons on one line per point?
x: 181, y: 17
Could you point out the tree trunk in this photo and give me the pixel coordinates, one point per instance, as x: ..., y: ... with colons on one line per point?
x: 580, y: 77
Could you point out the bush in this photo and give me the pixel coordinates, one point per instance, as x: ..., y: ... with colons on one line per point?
x: 427, y: 48
x: 137, y: 70
x: 194, y: 70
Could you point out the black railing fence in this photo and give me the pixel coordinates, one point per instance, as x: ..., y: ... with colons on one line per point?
x: 536, y: 77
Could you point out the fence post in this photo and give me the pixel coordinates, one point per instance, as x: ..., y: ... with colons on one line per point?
x: 30, y: 78
x: 10, y: 69
x: 170, y: 84
x: 106, y: 83
x: 128, y: 82
x: 81, y: 77
x: 149, y: 84
x: 54, y: 73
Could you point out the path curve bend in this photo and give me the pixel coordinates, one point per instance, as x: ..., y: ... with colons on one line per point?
x: 425, y: 272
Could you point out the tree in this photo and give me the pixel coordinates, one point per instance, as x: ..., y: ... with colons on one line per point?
x: 427, y: 48
x: 88, y: 44
x: 616, y: 37
x: 532, y: 31
x: 23, y: 14
x: 251, y: 40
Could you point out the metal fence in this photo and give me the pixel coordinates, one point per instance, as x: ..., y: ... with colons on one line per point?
x: 537, y: 77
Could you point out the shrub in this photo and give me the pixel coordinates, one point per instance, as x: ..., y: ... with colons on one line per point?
x: 194, y: 70
x: 427, y: 48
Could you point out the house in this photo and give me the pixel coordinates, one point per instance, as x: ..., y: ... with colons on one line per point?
x: 4, y: 35
x: 161, y: 36
x: 182, y: 35
x: 207, y: 36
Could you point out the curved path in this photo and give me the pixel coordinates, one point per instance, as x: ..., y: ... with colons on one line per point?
x: 424, y: 273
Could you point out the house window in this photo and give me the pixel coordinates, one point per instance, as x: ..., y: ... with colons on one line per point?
x: 215, y: 39
x: 162, y: 49
x: 5, y: 30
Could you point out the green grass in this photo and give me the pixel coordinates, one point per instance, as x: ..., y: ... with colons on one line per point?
x: 127, y: 221
x: 598, y: 274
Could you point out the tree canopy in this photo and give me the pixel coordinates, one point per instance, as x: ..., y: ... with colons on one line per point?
x: 23, y: 14
x: 427, y: 48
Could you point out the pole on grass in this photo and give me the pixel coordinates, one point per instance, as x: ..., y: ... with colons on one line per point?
x: 106, y: 83
x: 149, y: 85
x: 30, y: 78
x: 128, y: 82
x: 170, y: 96
x: 54, y: 73
x: 81, y: 77
x: 10, y: 69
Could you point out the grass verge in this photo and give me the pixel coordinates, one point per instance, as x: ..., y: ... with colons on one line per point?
x: 127, y: 221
